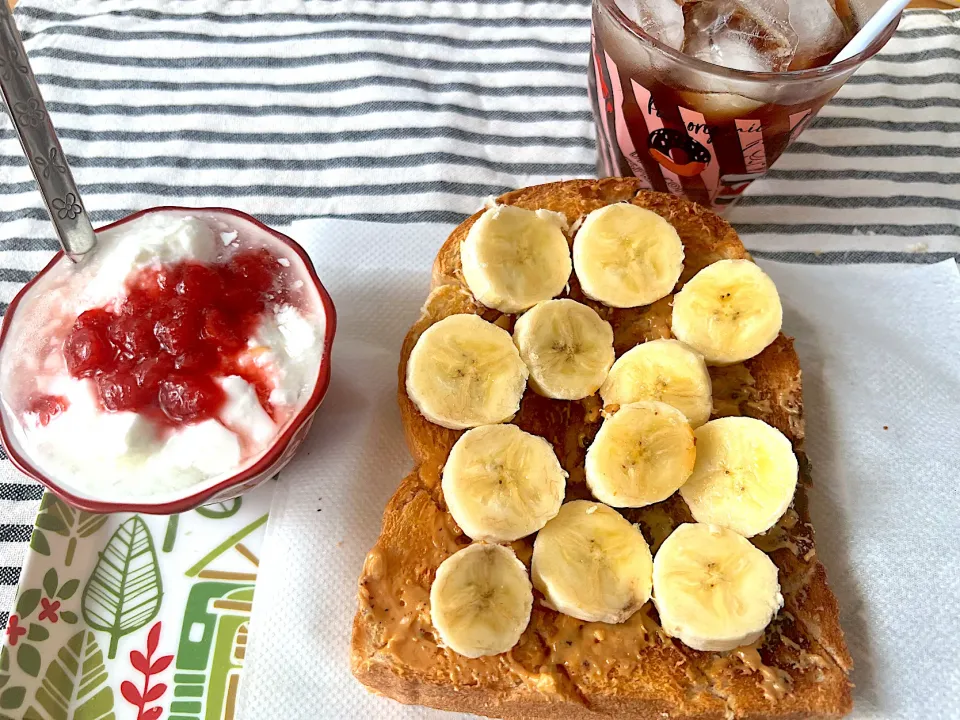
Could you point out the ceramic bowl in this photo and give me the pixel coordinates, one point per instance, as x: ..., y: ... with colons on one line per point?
x: 266, y: 465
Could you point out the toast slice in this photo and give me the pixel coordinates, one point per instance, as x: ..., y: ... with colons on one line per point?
x: 562, y: 667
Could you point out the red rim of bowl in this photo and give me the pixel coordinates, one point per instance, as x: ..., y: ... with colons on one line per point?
x: 269, y: 457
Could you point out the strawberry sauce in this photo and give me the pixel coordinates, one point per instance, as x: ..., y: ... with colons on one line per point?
x: 179, y: 328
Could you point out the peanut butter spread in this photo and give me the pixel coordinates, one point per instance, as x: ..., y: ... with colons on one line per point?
x: 597, y: 648
x: 785, y: 535
x: 559, y: 655
x: 656, y: 524
x: 774, y: 682
x: 734, y: 392
x: 631, y: 326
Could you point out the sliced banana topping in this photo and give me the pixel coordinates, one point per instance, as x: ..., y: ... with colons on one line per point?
x: 465, y: 372
x: 641, y: 455
x: 664, y: 370
x: 514, y: 258
x: 744, y: 477
x: 728, y: 312
x: 713, y: 589
x: 626, y: 256
x: 501, y: 483
x: 480, y: 601
x: 592, y: 564
x: 567, y: 347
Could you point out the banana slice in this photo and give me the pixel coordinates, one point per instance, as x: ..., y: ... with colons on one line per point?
x: 567, y: 347
x: 745, y: 475
x: 514, y: 258
x: 591, y: 564
x: 664, y: 370
x: 626, y: 256
x: 728, y: 312
x: 502, y: 484
x: 641, y: 455
x: 480, y: 601
x: 465, y: 372
x: 713, y: 589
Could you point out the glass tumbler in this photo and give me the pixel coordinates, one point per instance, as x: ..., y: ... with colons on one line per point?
x: 687, y: 127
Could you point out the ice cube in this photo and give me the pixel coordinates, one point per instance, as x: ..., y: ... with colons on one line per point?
x: 663, y: 19
x: 855, y: 13
x: 753, y: 35
x: 719, y: 106
x: 820, y: 33
x: 708, y: 40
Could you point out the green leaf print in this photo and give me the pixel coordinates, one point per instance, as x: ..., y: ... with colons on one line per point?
x: 75, y: 686
x: 68, y: 590
x: 37, y: 633
x: 28, y: 659
x: 123, y: 594
x: 89, y: 523
x: 69, y: 617
x: 12, y: 698
x: 51, y: 523
x: 170, y: 537
x: 221, y: 510
x: 27, y: 602
x: 53, y: 507
x: 51, y: 582
x: 38, y: 543
x: 58, y: 517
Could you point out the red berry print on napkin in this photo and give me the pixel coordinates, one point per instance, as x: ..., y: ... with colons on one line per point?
x: 49, y: 609
x: 15, y: 630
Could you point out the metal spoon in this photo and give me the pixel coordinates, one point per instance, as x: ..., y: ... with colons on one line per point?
x: 39, y: 141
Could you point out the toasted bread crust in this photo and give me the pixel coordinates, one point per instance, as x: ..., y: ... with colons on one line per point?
x: 658, y: 677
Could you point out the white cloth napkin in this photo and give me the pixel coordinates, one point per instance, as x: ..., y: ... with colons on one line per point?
x: 879, y: 347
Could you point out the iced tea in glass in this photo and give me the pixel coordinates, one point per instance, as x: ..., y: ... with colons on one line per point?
x: 669, y: 114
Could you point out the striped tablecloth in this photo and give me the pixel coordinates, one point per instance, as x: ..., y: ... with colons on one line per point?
x: 410, y: 110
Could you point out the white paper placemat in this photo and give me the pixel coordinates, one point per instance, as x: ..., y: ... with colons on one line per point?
x: 879, y: 347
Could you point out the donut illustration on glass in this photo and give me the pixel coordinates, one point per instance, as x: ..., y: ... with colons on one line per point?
x: 678, y: 152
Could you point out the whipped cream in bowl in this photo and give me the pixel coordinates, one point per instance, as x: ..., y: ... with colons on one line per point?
x: 178, y: 364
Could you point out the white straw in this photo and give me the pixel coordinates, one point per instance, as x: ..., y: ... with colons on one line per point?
x: 873, y: 27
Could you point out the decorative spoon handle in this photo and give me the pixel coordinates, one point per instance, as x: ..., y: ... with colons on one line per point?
x: 29, y: 115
